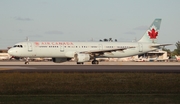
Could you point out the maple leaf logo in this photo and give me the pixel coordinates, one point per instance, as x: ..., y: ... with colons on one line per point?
x: 153, y: 34
x: 36, y: 43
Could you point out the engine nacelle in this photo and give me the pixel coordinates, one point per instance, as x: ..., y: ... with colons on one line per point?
x: 59, y: 60
x: 82, y: 57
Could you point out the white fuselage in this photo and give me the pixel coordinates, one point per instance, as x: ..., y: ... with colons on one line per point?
x: 68, y: 49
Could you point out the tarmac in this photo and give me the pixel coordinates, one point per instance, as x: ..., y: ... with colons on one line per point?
x: 86, y: 63
x: 103, y: 67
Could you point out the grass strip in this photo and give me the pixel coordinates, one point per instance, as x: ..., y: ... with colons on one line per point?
x: 91, y: 98
x: 89, y: 87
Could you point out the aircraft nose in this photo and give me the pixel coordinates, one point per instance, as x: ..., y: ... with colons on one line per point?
x: 12, y: 52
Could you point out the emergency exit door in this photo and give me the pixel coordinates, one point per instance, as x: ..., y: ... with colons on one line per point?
x: 61, y: 48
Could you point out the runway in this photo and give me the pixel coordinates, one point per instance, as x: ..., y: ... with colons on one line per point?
x: 104, y: 67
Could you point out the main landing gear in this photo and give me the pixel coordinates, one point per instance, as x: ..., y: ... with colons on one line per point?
x: 80, y: 62
x: 95, y: 61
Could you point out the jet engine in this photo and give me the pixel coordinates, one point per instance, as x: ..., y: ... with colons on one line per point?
x: 82, y: 57
x: 59, y: 60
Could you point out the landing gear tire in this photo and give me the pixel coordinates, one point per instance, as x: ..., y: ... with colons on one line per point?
x: 95, y: 62
x: 27, y: 62
x: 80, y: 62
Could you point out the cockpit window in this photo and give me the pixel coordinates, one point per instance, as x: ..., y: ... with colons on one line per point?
x: 20, y: 46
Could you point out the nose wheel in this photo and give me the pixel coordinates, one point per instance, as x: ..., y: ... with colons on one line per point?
x: 26, y: 61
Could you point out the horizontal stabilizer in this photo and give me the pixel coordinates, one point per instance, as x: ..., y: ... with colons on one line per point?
x: 160, y: 45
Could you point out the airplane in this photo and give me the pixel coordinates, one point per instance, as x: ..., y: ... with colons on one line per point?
x: 4, y: 56
x: 88, y: 51
x: 177, y: 58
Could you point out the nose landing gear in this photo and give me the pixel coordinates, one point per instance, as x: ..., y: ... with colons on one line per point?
x: 27, y: 60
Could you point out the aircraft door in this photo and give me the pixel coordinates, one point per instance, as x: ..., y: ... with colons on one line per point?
x: 140, y: 47
x: 29, y: 45
x: 100, y: 47
x: 61, y: 48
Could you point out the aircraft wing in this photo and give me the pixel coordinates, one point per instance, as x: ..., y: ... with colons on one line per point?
x: 104, y: 51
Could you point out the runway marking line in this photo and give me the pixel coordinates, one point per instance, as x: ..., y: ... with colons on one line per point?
x: 5, y: 68
x: 15, y: 67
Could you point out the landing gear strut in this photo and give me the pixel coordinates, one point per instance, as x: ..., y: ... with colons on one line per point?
x: 95, y: 61
x: 27, y: 60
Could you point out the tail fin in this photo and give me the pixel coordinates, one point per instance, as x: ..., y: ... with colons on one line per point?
x: 152, y: 33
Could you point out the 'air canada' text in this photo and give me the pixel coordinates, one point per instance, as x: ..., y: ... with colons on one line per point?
x: 54, y: 43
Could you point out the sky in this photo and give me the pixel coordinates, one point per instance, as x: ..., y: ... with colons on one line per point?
x: 86, y: 20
